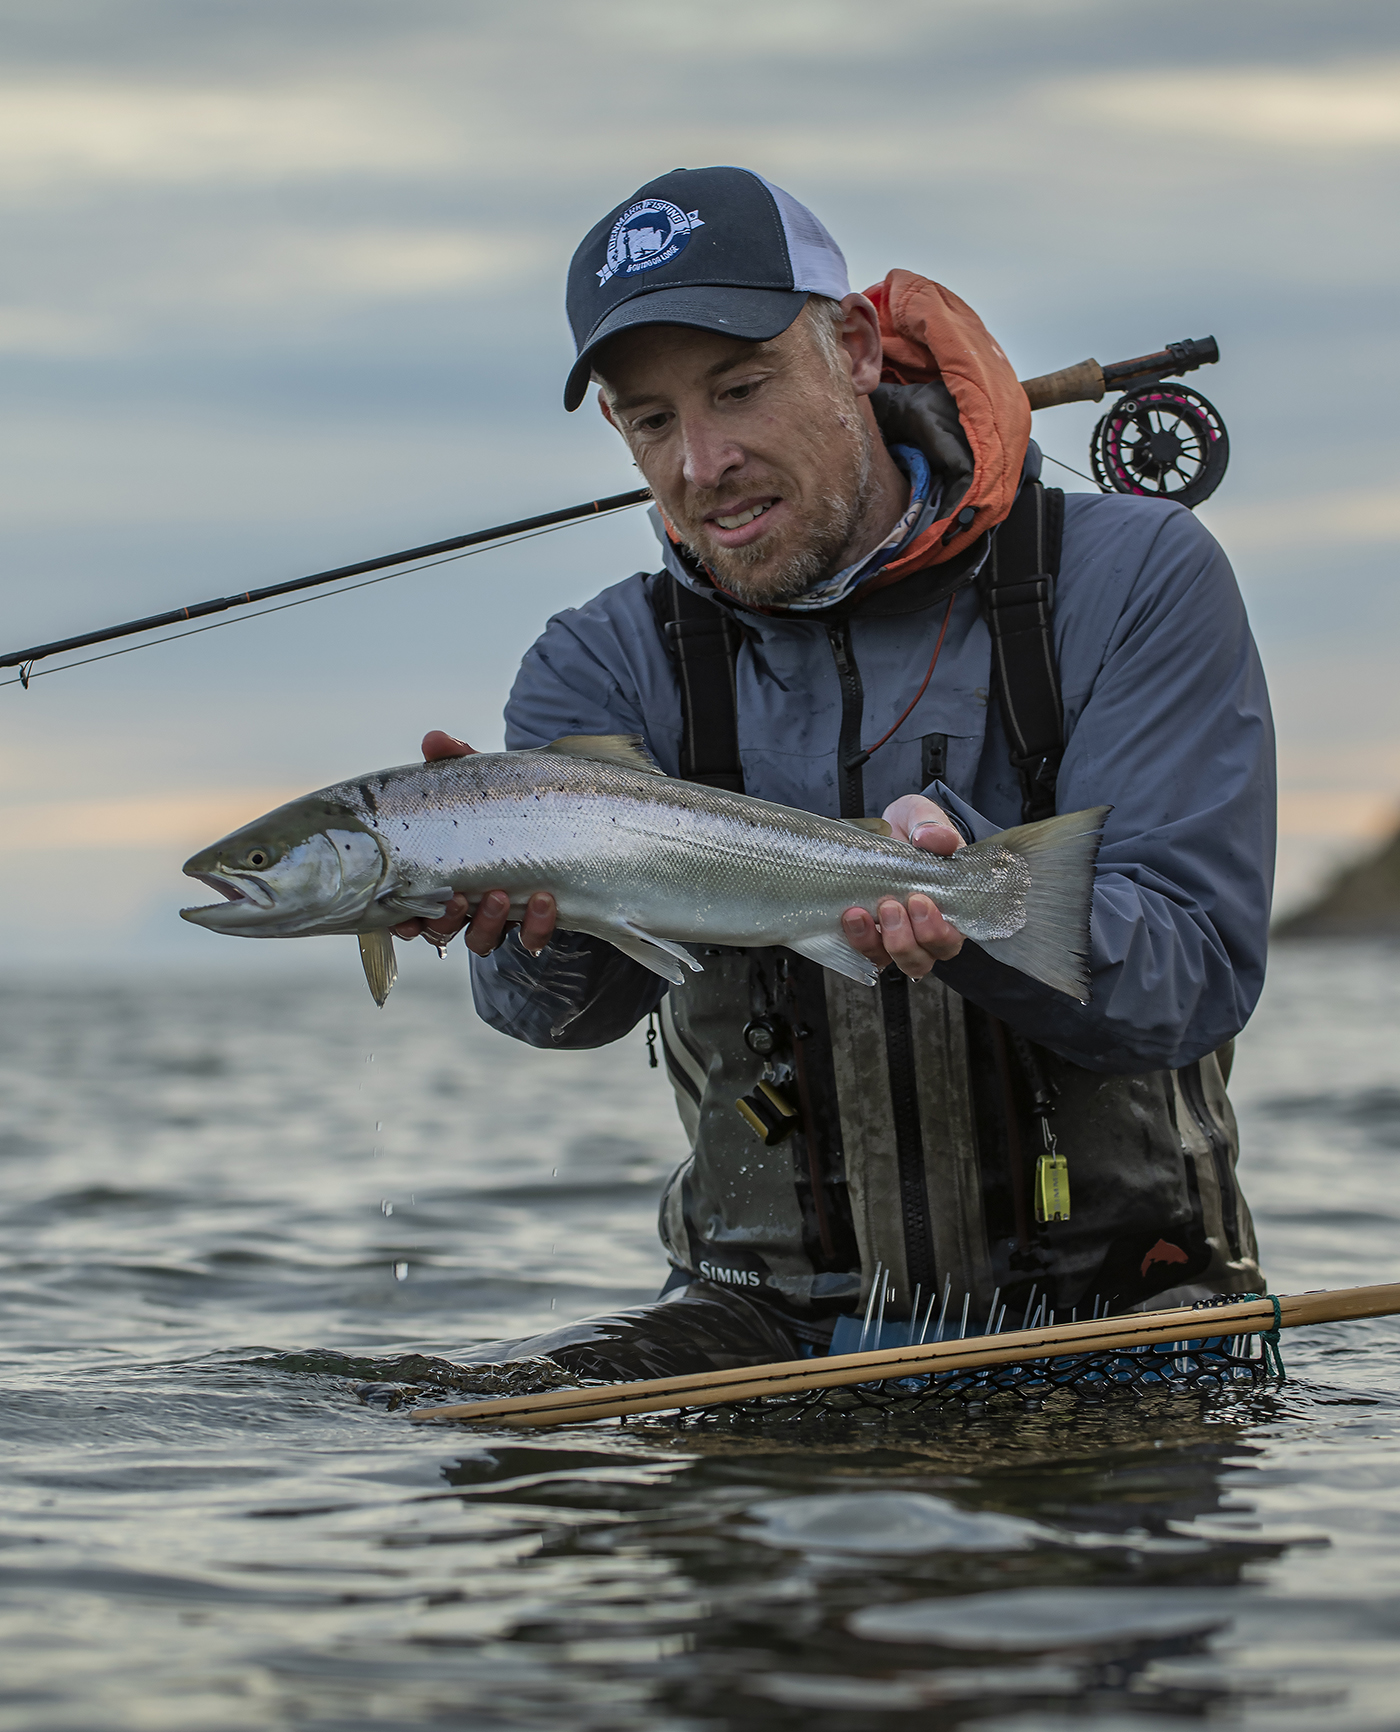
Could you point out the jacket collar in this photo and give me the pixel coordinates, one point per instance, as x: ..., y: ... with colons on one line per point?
x: 951, y: 393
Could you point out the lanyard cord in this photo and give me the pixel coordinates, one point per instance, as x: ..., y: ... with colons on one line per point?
x: 868, y: 752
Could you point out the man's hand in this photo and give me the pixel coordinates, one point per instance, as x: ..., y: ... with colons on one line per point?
x: 490, y: 923
x: 916, y: 936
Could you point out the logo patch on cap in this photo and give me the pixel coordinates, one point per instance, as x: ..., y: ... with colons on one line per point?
x: 649, y: 233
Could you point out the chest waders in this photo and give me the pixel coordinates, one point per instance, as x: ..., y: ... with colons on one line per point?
x: 838, y: 1132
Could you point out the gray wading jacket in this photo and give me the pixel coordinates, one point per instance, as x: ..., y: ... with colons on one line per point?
x: 919, y: 1148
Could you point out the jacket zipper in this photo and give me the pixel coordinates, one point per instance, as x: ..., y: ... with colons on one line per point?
x: 894, y: 990
x: 849, y: 755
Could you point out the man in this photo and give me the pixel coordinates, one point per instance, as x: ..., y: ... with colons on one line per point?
x: 856, y: 615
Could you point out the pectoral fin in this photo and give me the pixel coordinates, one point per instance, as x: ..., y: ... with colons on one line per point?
x: 654, y: 953
x: 833, y: 952
x: 426, y: 904
x: 629, y: 751
x: 381, y: 965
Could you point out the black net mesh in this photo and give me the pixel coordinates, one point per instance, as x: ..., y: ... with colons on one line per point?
x: 1203, y: 1363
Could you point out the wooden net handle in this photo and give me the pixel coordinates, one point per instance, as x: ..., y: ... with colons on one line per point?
x: 1137, y: 1329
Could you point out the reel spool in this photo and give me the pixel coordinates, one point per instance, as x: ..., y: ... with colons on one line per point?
x: 1163, y: 440
x: 1167, y: 441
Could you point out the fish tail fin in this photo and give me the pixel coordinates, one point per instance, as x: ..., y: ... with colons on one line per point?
x: 1053, y: 944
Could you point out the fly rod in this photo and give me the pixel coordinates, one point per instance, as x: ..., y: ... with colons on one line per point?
x: 1197, y: 427
x: 1250, y: 1316
x: 178, y: 615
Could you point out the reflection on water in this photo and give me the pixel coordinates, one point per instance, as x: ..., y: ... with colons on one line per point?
x: 211, y: 1520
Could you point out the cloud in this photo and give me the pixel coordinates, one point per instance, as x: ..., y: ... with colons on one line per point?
x: 27, y: 330
x: 93, y: 130
x: 378, y: 263
x: 1343, y: 813
x: 175, y: 821
x: 1354, y: 107
x: 1344, y: 518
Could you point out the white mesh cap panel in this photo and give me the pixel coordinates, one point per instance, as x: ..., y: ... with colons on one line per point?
x: 818, y: 264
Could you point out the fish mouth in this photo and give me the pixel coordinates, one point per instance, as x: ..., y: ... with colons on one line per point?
x: 243, y: 889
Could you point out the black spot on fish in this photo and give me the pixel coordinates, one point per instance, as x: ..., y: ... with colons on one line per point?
x: 405, y: 823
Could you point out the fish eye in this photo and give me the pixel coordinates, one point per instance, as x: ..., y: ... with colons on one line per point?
x: 257, y: 857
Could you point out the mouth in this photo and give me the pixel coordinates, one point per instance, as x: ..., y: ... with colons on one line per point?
x: 742, y: 522
x: 249, y: 890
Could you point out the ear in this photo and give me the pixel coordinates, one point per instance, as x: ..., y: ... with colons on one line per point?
x: 606, y: 409
x: 860, y: 337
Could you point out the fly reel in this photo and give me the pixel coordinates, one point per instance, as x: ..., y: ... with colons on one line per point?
x: 1163, y: 440
x: 1168, y: 441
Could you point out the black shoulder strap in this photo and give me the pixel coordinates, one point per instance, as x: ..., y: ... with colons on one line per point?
x: 704, y: 642
x: 1018, y: 593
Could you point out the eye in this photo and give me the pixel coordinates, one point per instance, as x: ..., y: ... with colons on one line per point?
x: 653, y: 423
x: 739, y: 392
x: 257, y: 858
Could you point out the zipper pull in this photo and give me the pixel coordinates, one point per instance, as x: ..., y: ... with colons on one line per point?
x: 1051, y: 1179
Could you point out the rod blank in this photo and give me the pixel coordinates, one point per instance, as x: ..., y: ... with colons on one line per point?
x: 220, y: 604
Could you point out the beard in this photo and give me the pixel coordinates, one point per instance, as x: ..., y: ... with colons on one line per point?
x: 765, y: 576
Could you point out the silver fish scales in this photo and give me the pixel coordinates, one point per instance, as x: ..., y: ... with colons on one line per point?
x: 649, y: 863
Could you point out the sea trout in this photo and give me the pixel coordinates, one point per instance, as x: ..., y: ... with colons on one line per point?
x: 649, y: 863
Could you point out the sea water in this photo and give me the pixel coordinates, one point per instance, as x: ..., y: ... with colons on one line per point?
x: 228, y: 1201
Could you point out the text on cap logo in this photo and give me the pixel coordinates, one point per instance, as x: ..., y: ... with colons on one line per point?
x: 649, y: 233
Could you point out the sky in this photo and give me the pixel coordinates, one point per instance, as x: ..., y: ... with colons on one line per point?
x: 283, y: 287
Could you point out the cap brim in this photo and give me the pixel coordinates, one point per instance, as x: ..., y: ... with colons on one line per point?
x: 754, y: 315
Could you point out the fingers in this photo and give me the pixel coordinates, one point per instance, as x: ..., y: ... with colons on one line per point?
x: 913, y: 938
x: 437, y: 745
x: 917, y: 820
x: 445, y: 925
x: 863, y: 934
x: 917, y: 936
x: 537, y: 928
x: 489, y: 925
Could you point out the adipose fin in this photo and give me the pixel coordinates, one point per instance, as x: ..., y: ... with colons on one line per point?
x: 381, y: 965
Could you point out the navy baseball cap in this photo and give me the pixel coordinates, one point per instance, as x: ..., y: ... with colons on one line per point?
x: 721, y: 249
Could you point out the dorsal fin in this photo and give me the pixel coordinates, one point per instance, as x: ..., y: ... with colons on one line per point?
x: 628, y: 751
x: 876, y: 826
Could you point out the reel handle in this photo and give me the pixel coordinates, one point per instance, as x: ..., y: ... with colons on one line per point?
x: 1087, y: 382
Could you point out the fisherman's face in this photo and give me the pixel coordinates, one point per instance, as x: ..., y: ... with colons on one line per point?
x: 759, y: 454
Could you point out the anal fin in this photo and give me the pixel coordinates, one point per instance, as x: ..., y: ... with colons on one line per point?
x: 833, y: 952
x: 660, y: 955
x: 381, y: 965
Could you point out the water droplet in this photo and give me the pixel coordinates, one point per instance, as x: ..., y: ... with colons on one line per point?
x: 386, y: 1207
x: 379, y: 1124
x: 554, y: 1172
x: 553, y: 1303
x: 401, y: 1271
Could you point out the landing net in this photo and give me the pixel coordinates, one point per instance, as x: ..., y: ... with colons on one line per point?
x: 1204, y: 1364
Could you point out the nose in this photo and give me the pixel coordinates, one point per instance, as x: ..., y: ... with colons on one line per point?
x: 711, y: 452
